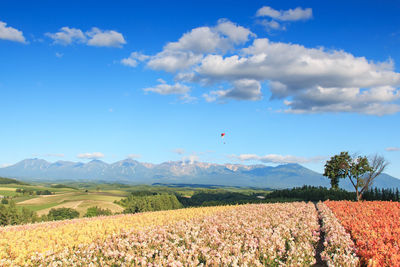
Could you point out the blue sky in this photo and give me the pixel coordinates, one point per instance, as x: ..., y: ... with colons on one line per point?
x: 287, y: 81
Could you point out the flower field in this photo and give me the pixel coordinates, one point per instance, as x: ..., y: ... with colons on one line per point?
x: 284, y: 234
x: 19, y: 243
x: 252, y: 235
x: 375, y: 228
x: 339, y: 249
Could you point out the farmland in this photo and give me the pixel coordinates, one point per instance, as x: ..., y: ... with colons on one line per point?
x: 339, y: 233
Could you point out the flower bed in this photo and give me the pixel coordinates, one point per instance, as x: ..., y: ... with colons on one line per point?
x: 339, y: 249
x: 375, y: 228
x: 248, y: 235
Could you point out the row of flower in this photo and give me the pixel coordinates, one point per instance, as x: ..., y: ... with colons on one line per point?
x: 339, y: 249
x: 19, y: 243
x: 248, y: 235
x: 374, y: 227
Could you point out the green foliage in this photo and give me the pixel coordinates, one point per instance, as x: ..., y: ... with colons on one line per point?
x: 312, y: 193
x: 96, y: 211
x: 10, y: 181
x: 4, y: 200
x: 11, y: 215
x: 31, y: 192
x: 337, y: 167
x: 382, y: 194
x: 343, y: 165
x: 63, y: 186
x: 62, y: 214
x: 134, y: 203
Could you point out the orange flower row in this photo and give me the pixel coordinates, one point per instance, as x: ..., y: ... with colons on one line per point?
x: 375, y: 228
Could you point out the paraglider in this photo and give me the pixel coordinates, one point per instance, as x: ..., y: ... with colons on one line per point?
x: 222, y: 136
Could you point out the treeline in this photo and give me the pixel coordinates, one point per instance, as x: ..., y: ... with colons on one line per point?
x: 219, y: 197
x: 11, y: 215
x: 382, y: 194
x: 63, y: 186
x: 149, y: 201
x: 10, y: 181
x: 32, y: 192
x: 312, y: 193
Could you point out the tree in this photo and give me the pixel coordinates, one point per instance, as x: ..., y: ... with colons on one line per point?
x: 335, y: 168
x: 62, y: 214
x: 354, y: 168
x: 377, y: 164
x: 96, y: 211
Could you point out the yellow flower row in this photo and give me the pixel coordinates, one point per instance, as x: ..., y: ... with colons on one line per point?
x: 19, y: 243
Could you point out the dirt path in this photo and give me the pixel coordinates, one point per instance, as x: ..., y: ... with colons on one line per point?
x: 320, y: 246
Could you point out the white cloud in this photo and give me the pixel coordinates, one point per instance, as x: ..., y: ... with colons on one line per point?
x: 392, y: 149
x: 67, y: 36
x: 274, y: 158
x: 106, y: 38
x: 172, y: 61
x: 94, y: 37
x: 285, y: 15
x: 168, y: 89
x: 10, y: 33
x: 134, y: 156
x: 94, y: 155
x: 132, y: 60
x: 272, y: 25
x: 306, y: 80
x: 243, y: 89
x: 59, y: 55
x: 179, y: 151
x: 315, y: 79
x: 190, y: 48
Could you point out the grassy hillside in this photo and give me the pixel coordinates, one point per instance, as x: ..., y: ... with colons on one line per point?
x: 81, y: 196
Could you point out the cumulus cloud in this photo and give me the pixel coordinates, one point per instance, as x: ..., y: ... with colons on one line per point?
x: 316, y: 80
x: 134, y: 156
x: 272, y: 25
x: 285, y: 15
x: 106, y: 38
x: 94, y: 155
x: 67, y: 36
x: 392, y: 149
x: 243, y: 89
x: 274, y: 158
x: 94, y: 37
x: 167, y: 89
x: 133, y: 59
x: 10, y: 33
x: 190, y: 48
x: 305, y: 80
x: 179, y: 151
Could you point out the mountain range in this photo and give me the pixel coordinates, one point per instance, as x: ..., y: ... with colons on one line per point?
x: 173, y: 172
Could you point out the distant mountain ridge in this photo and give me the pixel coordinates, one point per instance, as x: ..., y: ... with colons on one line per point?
x: 175, y: 172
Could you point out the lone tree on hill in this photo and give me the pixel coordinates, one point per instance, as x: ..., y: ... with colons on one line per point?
x: 335, y: 168
x: 360, y: 171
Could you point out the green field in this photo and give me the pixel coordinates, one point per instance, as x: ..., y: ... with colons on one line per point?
x: 81, y: 196
x: 79, y: 200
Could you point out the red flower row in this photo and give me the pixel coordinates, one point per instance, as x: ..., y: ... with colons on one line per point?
x: 375, y: 228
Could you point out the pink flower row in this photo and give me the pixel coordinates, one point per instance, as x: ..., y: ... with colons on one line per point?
x: 339, y: 249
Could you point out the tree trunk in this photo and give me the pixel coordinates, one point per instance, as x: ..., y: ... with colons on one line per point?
x: 358, y: 195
